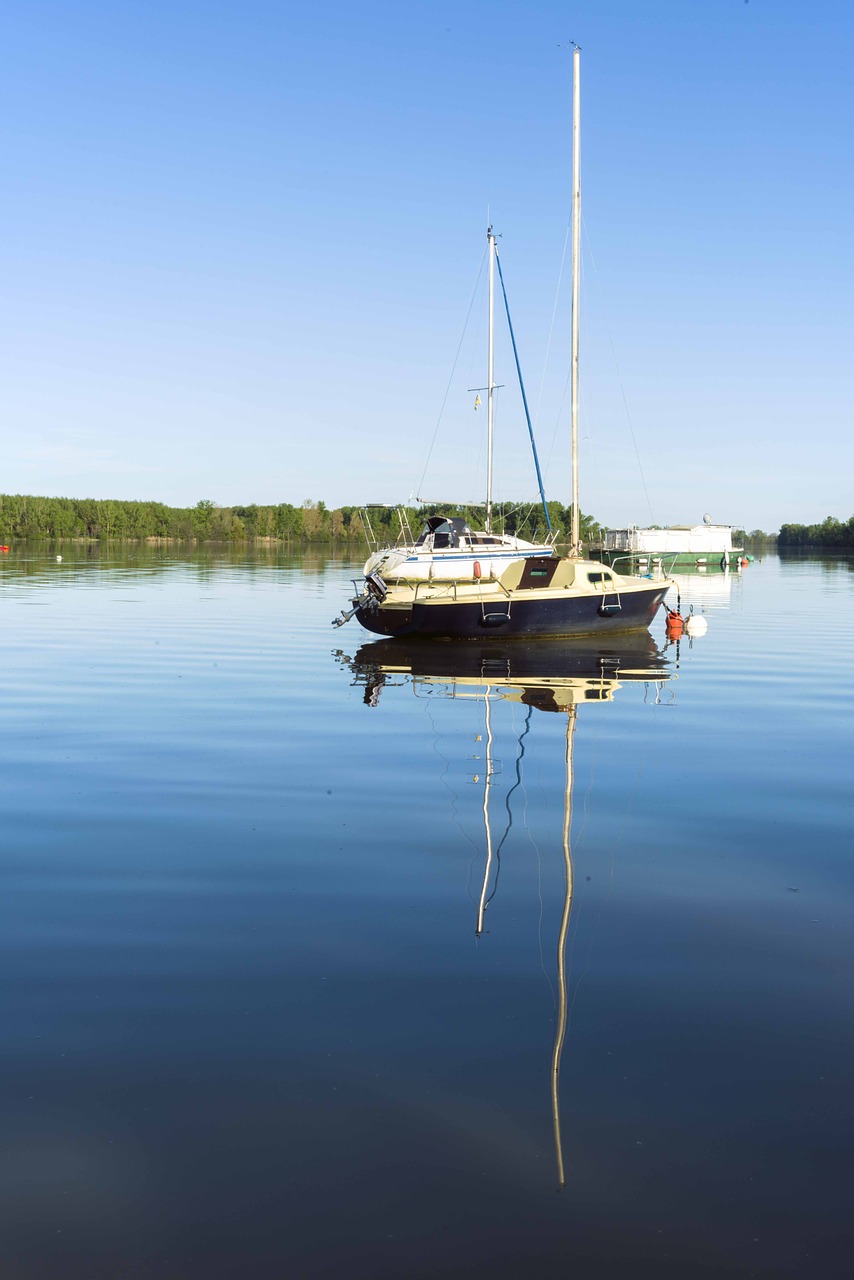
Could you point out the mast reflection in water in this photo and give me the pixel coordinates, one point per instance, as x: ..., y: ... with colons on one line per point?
x: 550, y: 676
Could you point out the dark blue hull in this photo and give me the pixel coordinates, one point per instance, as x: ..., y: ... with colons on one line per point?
x: 562, y: 616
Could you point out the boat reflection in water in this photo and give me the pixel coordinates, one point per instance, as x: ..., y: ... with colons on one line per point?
x: 707, y: 590
x: 551, y: 676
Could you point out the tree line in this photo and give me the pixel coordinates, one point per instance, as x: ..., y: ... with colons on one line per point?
x: 23, y: 516
x: 832, y: 534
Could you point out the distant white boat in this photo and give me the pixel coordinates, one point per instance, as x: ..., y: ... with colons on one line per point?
x: 678, y: 544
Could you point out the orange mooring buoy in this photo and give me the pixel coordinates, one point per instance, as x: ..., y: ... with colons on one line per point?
x: 674, y: 625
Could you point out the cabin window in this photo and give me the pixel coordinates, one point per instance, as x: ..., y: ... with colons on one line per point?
x: 538, y: 571
x: 600, y: 577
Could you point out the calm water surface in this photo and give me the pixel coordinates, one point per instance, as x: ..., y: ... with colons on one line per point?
x: 321, y: 960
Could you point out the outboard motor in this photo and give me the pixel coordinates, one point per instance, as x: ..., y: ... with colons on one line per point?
x: 375, y: 593
x: 376, y: 586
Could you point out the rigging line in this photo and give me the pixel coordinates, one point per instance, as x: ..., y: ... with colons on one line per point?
x: 453, y: 371
x: 478, y: 341
x: 524, y: 397
x: 565, y: 390
x: 517, y: 783
x: 557, y: 420
x: 617, y: 367
x: 552, y: 325
x: 591, y: 464
x: 527, y: 507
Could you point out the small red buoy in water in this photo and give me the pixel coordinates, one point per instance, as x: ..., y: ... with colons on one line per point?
x: 745, y: 562
x: 674, y: 626
x: 477, y: 569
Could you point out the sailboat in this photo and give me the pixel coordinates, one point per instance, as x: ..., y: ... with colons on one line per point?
x: 539, y: 594
x: 547, y: 676
x: 447, y: 547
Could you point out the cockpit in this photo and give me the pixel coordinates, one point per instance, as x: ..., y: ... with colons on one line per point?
x: 444, y: 532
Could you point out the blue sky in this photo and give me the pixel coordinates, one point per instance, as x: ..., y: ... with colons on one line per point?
x: 238, y: 245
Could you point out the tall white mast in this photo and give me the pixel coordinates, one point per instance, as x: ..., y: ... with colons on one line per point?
x: 575, y: 548
x: 490, y: 391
